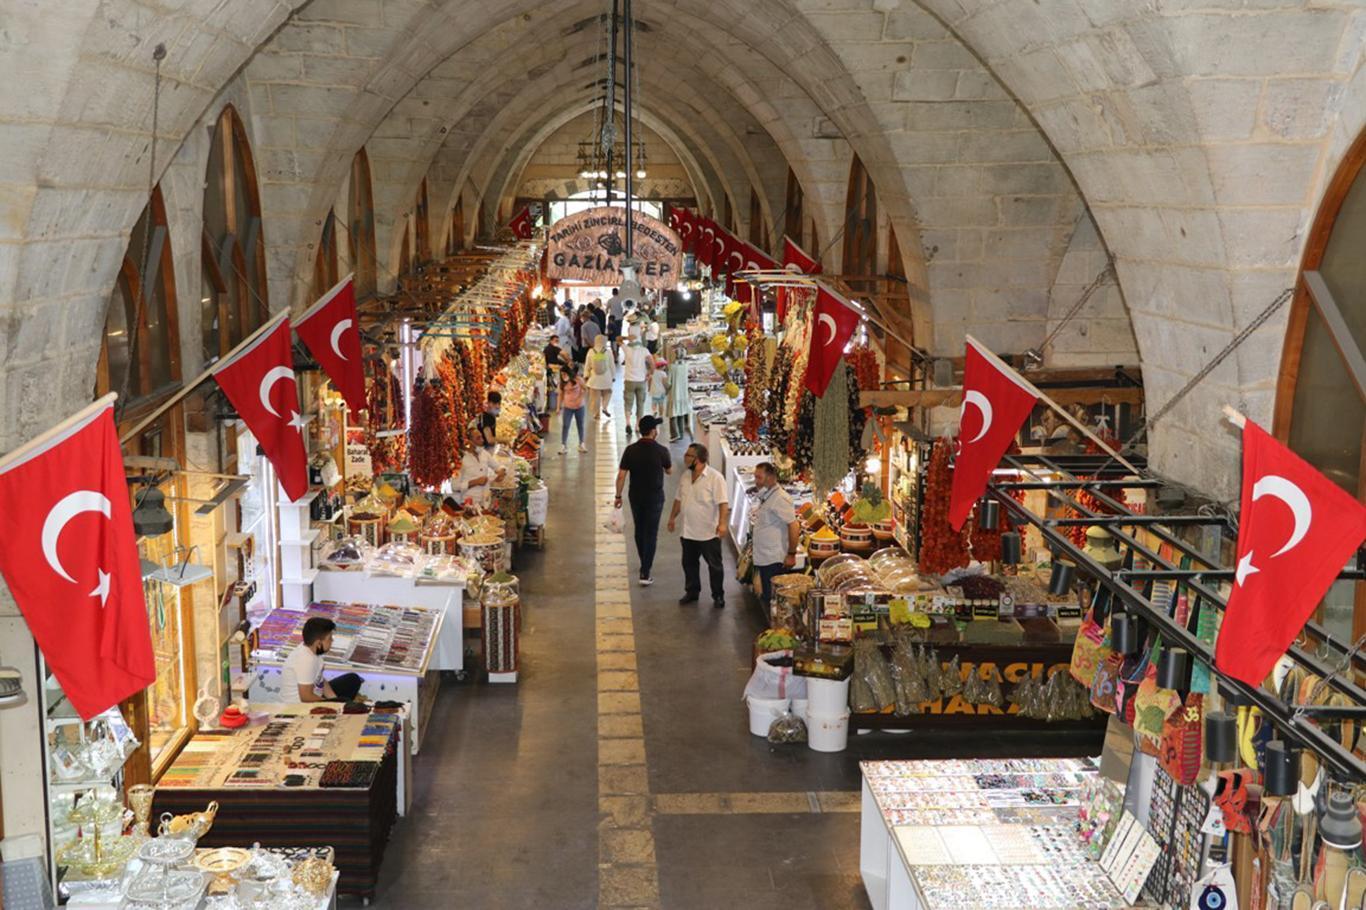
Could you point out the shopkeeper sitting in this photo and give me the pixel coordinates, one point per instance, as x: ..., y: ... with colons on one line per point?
x: 303, y: 670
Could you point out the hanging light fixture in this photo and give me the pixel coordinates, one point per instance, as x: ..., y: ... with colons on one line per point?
x: 1282, y: 768
x: 150, y: 518
x: 1221, y: 737
x: 11, y: 686
x: 1341, y: 826
x: 1011, y: 548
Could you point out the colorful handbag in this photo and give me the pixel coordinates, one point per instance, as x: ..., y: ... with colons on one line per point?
x: 1130, y: 676
x: 1105, y: 682
x: 1088, y: 651
x: 1183, y: 740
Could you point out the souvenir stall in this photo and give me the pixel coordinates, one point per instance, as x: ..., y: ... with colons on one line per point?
x: 389, y: 647
x: 1221, y: 793
x: 301, y: 776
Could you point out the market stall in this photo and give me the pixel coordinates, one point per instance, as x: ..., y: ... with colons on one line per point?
x: 389, y: 647
x: 298, y: 779
x: 1014, y: 834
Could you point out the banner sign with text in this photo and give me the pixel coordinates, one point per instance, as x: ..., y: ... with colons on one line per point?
x: 589, y: 246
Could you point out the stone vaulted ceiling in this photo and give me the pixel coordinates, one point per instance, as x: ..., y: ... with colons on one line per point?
x: 1013, y: 144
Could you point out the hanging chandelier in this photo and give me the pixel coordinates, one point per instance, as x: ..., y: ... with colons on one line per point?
x: 603, y: 157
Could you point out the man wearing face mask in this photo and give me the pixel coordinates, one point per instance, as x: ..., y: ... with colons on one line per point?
x: 776, y: 530
x: 477, y: 471
x: 302, y: 676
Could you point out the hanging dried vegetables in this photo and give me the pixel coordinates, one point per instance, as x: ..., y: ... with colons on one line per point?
x: 941, y: 547
x: 801, y: 440
x: 830, y: 458
x: 863, y: 359
x: 858, y: 416
x: 756, y: 369
x: 779, y: 429
x: 431, y: 457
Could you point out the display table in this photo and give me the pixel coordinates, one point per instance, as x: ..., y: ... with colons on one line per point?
x: 738, y: 471
x: 248, y: 772
x: 404, y: 591
x: 110, y: 895
x: 971, y: 834
x: 389, y: 647
x: 1013, y: 663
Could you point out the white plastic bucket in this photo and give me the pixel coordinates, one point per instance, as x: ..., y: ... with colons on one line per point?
x: 827, y: 733
x: 799, y: 707
x: 763, y: 712
x: 827, y: 698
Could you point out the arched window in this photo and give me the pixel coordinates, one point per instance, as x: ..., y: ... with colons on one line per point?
x: 361, y: 226
x: 234, y: 299
x: 1321, y: 395
x: 325, y: 266
x: 422, y: 227
x: 860, y: 223
x: 455, y: 241
x: 792, y: 214
x: 142, y: 364
x: 729, y: 221
x: 758, y: 228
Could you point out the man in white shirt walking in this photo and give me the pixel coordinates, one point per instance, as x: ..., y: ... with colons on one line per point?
x: 302, y: 676
x: 639, y: 364
x: 705, y: 507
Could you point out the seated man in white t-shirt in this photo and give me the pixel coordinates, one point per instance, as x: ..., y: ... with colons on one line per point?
x: 302, y: 676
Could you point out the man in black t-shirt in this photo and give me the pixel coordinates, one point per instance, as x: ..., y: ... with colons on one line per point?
x: 646, y: 462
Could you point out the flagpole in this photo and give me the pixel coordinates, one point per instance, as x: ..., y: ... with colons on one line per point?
x: 43, y: 438
x: 189, y: 387
x: 1059, y: 409
x: 1235, y: 417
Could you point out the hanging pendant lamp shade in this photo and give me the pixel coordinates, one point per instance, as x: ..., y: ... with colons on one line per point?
x: 150, y: 518
x: 1282, y: 767
x: 1221, y: 737
x: 1011, y: 548
x: 1173, y: 669
x: 1124, y: 633
x: 1341, y: 826
x: 988, y: 515
x: 1060, y: 583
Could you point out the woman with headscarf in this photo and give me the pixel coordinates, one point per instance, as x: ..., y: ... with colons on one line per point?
x: 680, y: 396
x: 600, y: 367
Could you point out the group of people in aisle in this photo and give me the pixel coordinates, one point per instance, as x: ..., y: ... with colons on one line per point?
x: 587, y: 360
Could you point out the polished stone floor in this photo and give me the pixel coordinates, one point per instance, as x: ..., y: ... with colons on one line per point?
x: 507, y: 810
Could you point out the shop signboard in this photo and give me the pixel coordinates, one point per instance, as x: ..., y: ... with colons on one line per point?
x: 589, y: 246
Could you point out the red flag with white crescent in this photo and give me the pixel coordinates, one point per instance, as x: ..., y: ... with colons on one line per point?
x: 259, y: 381
x: 834, y: 320
x: 330, y: 330
x: 706, y: 245
x: 998, y: 401
x: 755, y: 260
x: 732, y: 258
x: 1296, y: 531
x: 70, y: 558
x: 521, y: 224
x: 687, y: 229
x: 795, y: 259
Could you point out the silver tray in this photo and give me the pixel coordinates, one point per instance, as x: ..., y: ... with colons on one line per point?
x: 176, y: 888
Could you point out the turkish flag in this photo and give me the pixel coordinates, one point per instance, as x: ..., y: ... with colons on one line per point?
x: 329, y: 328
x: 795, y: 259
x: 1296, y: 530
x: 521, y: 225
x: 674, y: 222
x: 70, y: 558
x: 1001, y: 401
x: 687, y: 229
x: 833, y: 321
x: 259, y: 381
x: 706, y: 246
x: 755, y: 260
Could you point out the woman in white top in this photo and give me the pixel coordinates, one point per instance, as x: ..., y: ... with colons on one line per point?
x: 600, y: 367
